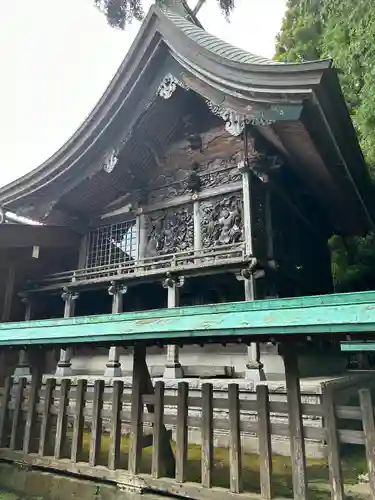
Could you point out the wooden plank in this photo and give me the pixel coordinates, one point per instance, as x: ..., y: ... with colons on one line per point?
x: 369, y: 434
x: 46, y: 415
x: 264, y: 437
x: 163, y: 486
x: 333, y: 444
x: 302, y: 316
x: 158, y: 430
x: 115, y: 432
x: 31, y: 415
x: 235, y: 455
x: 96, y: 423
x: 182, y: 432
x: 78, y: 421
x: 136, y: 431
x: 62, y: 418
x: 207, y: 435
x: 17, y: 417
x: 4, y: 411
x: 297, y: 441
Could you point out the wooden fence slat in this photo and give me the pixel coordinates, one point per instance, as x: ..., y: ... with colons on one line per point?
x: 235, y: 456
x: 62, y: 418
x: 46, y: 415
x: 36, y: 380
x: 115, y: 432
x: 369, y: 434
x: 96, y: 423
x: 78, y: 421
x: 264, y: 439
x: 136, y: 430
x: 158, y: 430
x: 4, y: 412
x: 182, y: 432
x: 333, y: 444
x: 15, y: 432
x: 207, y: 435
x: 297, y: 441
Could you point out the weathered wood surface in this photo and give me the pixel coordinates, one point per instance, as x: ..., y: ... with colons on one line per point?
x: 333, y: 445
x: 22, y: 406
x: 344, y: 313
x: 296, y: 431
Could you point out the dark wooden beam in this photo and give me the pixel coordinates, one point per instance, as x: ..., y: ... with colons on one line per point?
x: 21, y: 236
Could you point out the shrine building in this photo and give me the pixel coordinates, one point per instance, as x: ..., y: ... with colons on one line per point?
x: 205, y: 174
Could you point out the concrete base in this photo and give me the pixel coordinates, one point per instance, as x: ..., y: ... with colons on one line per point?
x: 22, y: 371
x: 113, y: 371
x: 63, y: 371
x: 172, y: 372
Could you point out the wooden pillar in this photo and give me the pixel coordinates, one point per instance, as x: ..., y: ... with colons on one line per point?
x: 9, y: 291
x: 173, y: 367
x: 64, y: 365
x: 142, y: 234
x: 297, y: 440
x: 23, y: 368
x: 113, y: 366
x: 253, y: 364
x: 197, y: 225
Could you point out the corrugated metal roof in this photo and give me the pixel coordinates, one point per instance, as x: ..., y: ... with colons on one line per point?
x: 214, y: 44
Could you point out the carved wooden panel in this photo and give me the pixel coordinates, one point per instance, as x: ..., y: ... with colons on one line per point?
x: 170, y: 232
x: 222, y: 221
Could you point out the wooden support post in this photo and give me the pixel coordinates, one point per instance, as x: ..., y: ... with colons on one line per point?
x: 79, y: 421
x: 235, y: 455
x: 96, y: 423
x: 369, y: 433
x: 113, y: 366
x: 173, y: 367
x: 207, y: 435
x: 23, y: 368
x: 46, y: 415
x: 4, y: 411
x: 9, y: 292
x: 17, y: 413
x: 136, y: 425
x: 182, y: 431
x: 62, y: 418
x: 158, y: 430
x: 297, y: 441
x: 333, y: 444
x: 64, y: 365
x: 36, y: 382
x: 264, y: 438
x: 115, y: 433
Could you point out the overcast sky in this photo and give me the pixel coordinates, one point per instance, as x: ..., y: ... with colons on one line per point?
x: 58, y: 56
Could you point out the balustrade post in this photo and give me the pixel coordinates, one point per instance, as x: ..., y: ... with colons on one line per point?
x: 253, y: 364
x: 64, y: 365
x: 23, y: 368
x: 113, y: 366
x: 173, y: 367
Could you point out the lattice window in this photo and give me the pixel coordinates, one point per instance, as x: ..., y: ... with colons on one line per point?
x: 112, y: 244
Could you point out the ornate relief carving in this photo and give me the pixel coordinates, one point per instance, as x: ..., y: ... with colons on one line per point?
x: 110, y: 162
x: 169, y: 85
x: 235, y: 122
x: 222, y: 221
x: 220, y: 177
x: 170, y: 232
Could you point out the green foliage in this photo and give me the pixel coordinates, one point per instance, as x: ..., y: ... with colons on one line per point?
x: 344, y: 31
x: 119, y: 13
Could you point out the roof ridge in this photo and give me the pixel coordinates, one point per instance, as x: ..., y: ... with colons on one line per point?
x: 213, y: 43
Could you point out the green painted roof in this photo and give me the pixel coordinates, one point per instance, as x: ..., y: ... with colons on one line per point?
x: 264, y: 319
x: 214, y: 44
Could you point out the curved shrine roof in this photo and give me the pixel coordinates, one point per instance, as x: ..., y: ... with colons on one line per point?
x: 233, y: 82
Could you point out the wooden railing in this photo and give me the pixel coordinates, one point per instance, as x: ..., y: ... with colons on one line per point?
x: 148, y: 266
x: 78, y: 429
